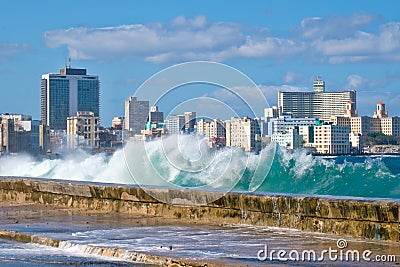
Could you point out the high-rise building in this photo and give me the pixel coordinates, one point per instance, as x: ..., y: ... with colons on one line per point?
x: 136, y: 114
x: 318, y: 104
x: 65, y: 93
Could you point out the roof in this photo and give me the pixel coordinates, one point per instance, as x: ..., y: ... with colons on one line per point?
x: 381, y: 103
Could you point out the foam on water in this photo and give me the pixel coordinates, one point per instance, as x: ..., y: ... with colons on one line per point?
x: 297, y: 172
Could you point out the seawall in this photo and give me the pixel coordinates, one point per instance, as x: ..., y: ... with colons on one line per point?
x: 356, y: 217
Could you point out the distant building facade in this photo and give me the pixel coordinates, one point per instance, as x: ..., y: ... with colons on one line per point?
x: 190, y: 121
x: 175, y: 124
x: 244, y: 133
x: 65, y: 93
x: 290, y: 138
x: 318, y: 104
x: 214, y: 131
x: 117, y: 123
x: 282, y: 123
x: 136, y: 114
x: 19, y: 133
x: 83, y: 130
x: 380, y: 122
x: 332, y: 139
x: 156, y: 116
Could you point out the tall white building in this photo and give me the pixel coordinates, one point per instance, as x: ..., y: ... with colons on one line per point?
x: 136, y: 115
x: 284, y: 122
x: 65, y: 93
x: 318, y: 104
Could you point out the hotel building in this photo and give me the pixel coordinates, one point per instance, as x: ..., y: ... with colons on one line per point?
x: 317, y: 104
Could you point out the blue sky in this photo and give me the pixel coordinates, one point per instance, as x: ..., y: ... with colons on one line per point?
x: 280, y: 45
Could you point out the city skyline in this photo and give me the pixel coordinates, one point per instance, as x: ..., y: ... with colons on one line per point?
x: 351, y: 45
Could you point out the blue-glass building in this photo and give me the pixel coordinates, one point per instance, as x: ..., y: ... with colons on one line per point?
x: 65, y: 93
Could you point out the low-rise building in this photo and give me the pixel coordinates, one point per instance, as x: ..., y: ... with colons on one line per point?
x: 357, y: 143
x: 83, y: 130
x: 244, y: 133
x: 117, y: 123
x: 282, y: 123
x: 175, y: 124
x: 19, y: 133
x: 378, y: 123
x: 307, y: 132
x: 214, y: 131
x: 289, y: 139
x: 332, y: 139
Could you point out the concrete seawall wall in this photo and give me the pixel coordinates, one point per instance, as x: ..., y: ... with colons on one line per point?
x: 356, y: 217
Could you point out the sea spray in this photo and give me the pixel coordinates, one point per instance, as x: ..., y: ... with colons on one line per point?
x: 291, y: 172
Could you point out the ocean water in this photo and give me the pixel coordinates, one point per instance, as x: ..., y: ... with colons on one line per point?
x: 232, y: 245
x: 189, y: 164
x: 15, y: 254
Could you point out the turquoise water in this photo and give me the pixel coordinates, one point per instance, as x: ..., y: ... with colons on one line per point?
x: 360, y: 176
x: 275, y: 171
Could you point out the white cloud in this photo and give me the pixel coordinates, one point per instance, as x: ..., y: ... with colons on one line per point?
x: 153, y: 42
x: 355, y: 81
x: 333, y: 26
x: 335, y: 40
x: 363, y: 46
x: 181, y: 39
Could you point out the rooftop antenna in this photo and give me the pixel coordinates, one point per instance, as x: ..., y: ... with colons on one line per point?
x: 69, y: 62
